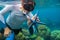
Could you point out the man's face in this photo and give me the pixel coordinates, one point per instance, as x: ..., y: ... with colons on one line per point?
x: 29, y: 6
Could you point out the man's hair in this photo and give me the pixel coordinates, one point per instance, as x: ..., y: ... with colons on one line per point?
x: 28, y: 4
x: 27, y: 1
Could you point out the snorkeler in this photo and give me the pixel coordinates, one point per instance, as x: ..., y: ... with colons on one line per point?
x: 17, y: 17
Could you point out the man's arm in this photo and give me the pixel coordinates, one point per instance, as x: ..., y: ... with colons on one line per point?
x: 5, y: 9
x: 2, y: 13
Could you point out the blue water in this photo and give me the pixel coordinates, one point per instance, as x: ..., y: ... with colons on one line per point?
x: 49, y: 12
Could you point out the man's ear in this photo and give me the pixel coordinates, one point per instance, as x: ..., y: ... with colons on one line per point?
x: 21, y: 8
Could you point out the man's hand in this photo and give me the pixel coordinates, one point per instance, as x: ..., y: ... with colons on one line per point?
x: 6, y: 31
x: 35, y: 18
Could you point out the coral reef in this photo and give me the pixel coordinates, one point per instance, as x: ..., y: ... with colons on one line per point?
x: 39, y: 38
x: 25, y: 32
x: 43, y: 31
x: 55, y: 35
x: 20, y: 36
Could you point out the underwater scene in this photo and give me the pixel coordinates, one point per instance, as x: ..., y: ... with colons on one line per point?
x: 48, y: 13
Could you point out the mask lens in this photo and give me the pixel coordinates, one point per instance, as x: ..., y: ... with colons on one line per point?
x: 28, y: 7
